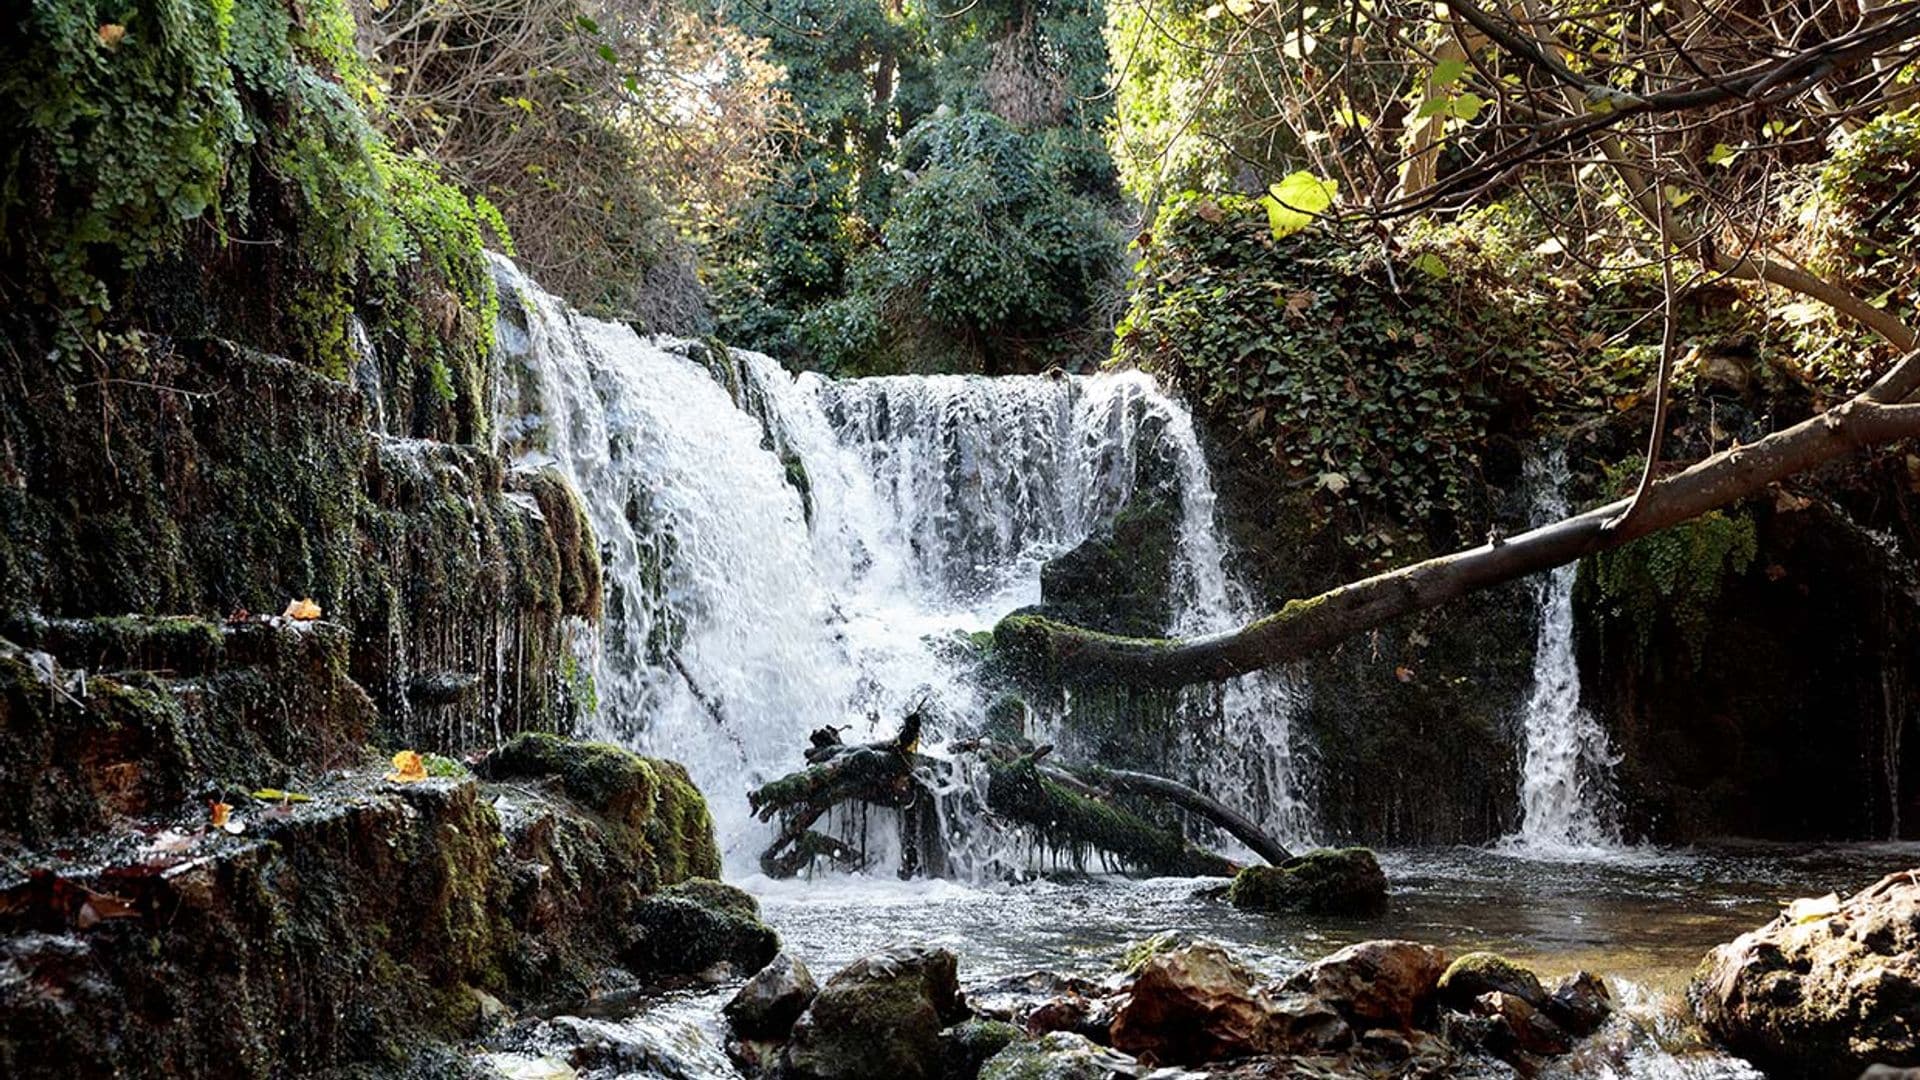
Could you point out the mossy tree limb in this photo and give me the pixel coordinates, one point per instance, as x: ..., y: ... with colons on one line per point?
x: 1069, y: 654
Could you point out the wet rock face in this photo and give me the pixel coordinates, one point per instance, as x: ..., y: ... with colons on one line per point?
x: 1825, y: 990
x: 1347, y: 881
x: 880, y: 1018
x: 685, y: 930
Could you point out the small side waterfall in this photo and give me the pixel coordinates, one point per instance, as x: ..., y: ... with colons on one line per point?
x: 1566, y: 791
x: 785, y: 553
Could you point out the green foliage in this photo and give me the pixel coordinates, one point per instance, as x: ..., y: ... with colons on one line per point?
x: 1865, y: 228
x: 237, y: 130
x: 1371, y: 381
x: 952, y: 203
x: 1673, y: 577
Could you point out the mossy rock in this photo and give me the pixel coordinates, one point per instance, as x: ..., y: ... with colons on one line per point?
x: 694, y: 925
x: 879, y: 1018
x: 1059, y: 1055
x: 968, y: 1045
x: 1479, y: 973
x: 1335, y: 881
x: 605, y: 778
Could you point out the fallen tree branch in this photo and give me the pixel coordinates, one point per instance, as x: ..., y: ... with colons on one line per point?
x: 1059, y: 653
x: 1238, y: 825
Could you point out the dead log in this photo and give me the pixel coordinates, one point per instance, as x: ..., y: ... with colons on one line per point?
x: 1020, y: 791
x: 1233, y: 821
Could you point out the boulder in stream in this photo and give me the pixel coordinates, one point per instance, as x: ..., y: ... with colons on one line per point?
x: 773, y: 999
x: 1827, y: 989
x: 1376, y: 983
x: 693, y: 925
x: 879, y: 1018
x: 1343, y: 881
x: 1195, y: 1005
x: 1061, y: 1055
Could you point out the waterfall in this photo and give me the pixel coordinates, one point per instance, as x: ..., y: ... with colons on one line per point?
x: 1566, y: 796
x: 784, y: 553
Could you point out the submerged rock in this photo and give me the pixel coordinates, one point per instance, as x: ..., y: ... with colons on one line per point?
x: 879, y: 1018
x: 1824, y: 990
x: 1061, y: 1055
x: 773, y: 999
x: 1344, y: 881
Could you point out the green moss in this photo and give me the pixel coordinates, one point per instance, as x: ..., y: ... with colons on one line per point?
x: 1478, y: 973
x: 1345, y: 881
x: 1673, y: 577
x: 609, y: 779
x: 1074, y: 824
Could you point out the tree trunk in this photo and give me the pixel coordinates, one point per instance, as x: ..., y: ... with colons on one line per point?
x: 1069, y: 654
x: 1233, y: 821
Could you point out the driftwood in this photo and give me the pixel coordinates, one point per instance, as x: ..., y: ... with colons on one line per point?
x: 1069, y: 810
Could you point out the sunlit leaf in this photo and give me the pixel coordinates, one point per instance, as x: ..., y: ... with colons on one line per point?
x: 1294, y: 202
x: 304, y: 610
x: 1446, y: 73
x: 408, y: 767
x: 1431, y: 265
x: 1805, y: 909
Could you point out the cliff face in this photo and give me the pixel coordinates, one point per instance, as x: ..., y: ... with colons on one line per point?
x: 279, y: 388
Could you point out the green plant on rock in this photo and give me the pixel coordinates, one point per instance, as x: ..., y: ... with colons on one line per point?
x: 167, y: 134
x: 1673, y: 577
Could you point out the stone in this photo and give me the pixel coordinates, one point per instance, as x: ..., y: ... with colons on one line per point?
x: 879, y: 1018
x: 1824, y: 990
x: 968, y: 1045
x: 1012, y: 997
x: 1889, y: 1072
x: 1061, y: 1055
x: 773, y: 999
x: 1479, y: 973
x: 1376, y: 983
x: 1345, y: 881
x: 1301, y: 1024
x: 1580, y: 1003
x: 1192, y: 1006
x: 691, y: 926
x: 1531, y: 1031
x: 1092, y: 1017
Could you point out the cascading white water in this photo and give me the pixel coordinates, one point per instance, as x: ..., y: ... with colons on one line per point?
x: 1566, y: 796
x: 734, y: 626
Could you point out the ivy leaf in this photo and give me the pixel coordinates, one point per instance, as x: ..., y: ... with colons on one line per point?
x: 1294, y: 202
x: 1722, y: 155
x: 1446, y: 73
x: 1431, y: 265
x: 1466, y: 106
x: 1334, y: 482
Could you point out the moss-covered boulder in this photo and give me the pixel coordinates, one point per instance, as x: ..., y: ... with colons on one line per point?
x: 1479, y: 973
x: 766, y: 1006
x: 650, y: 804
x: 879, y: 1018
x: 970, y: 1044
x: 1345, y: 881
x: 1061, y: 1055
x: 694, y: 925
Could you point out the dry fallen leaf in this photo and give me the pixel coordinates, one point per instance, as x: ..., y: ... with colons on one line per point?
x: 111, y: 33
x: 303, y: 609
x: 408, y: 767
x: 223, y: 819
x: 1403, y: 673
x: 1805, y: 910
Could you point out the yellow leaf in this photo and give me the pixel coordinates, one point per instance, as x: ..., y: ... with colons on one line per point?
x: 1294, y: 202
x: 111, y: 33
x: 408, y: 766
x: 221, y: 812
x: 303, y: 609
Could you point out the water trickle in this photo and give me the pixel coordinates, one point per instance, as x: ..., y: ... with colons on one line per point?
x: 1566, y: 790
x: 784, y: 553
